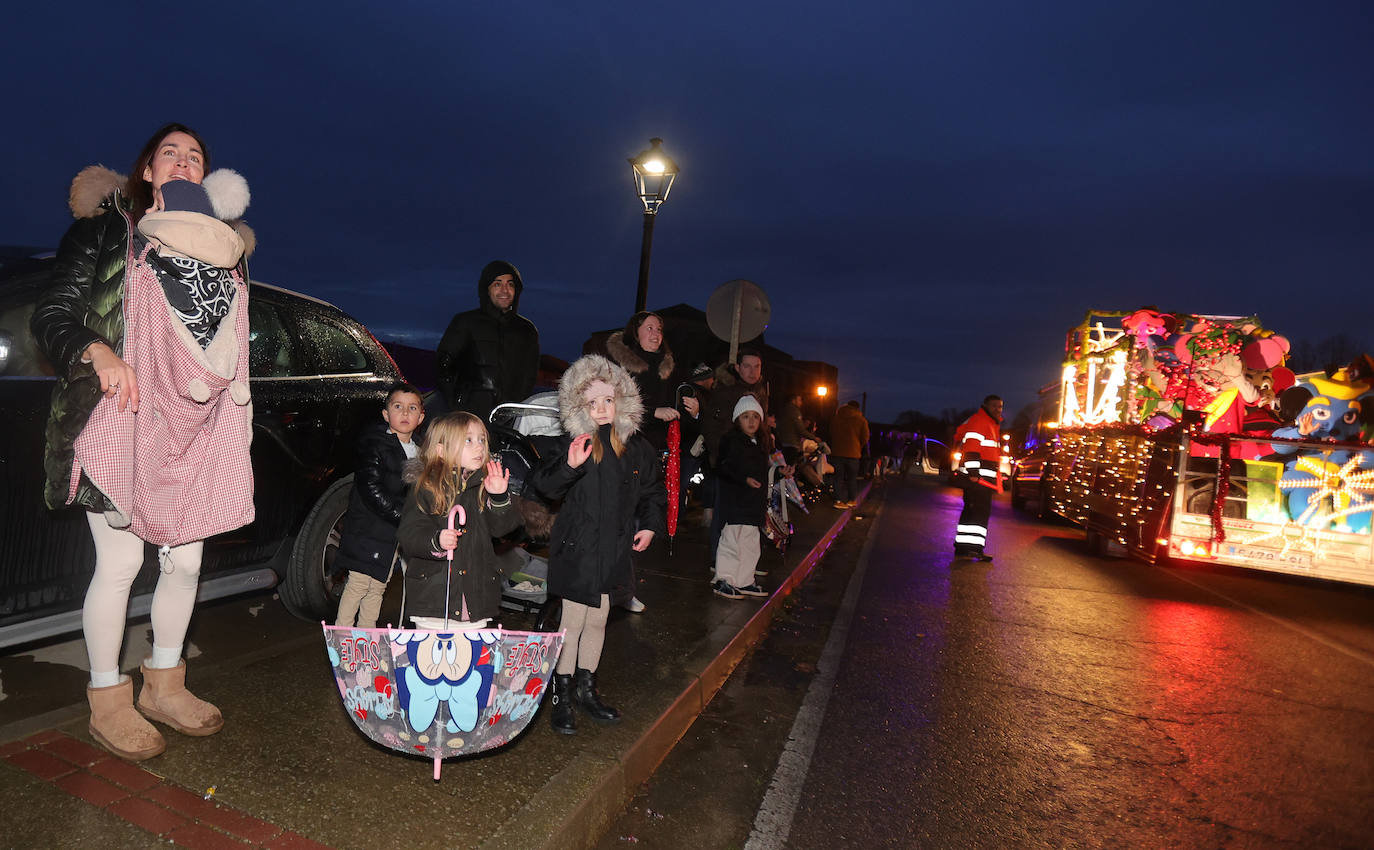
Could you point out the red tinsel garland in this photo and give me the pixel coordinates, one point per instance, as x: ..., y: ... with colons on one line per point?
x: 1221, y: 489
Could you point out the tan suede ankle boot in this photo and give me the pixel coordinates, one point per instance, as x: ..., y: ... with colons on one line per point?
x: 164, y: 698
x: 118, y: 727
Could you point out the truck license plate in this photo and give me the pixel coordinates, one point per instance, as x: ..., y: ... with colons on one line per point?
x: 1254, y: 554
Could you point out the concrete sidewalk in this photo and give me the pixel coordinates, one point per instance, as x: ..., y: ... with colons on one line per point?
x: 290, y: 770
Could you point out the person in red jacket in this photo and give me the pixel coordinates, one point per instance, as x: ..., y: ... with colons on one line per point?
x: 979, y: 439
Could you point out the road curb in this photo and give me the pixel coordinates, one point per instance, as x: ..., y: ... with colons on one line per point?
x: 561, y: 816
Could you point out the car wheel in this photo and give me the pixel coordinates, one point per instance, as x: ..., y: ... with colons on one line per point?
x: 311, y: 590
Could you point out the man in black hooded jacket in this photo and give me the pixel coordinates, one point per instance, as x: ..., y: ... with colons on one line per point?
x: 489, y: 355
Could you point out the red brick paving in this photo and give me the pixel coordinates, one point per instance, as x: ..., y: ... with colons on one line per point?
x: 106, y: 782
x: 44, y: 765
x: 146, y: 815
x: 180, y: 800
x: 125, y: 775
x: 38, y: 739
x: 76, y: 752
x: 237, y: 823
x: 92, y: 789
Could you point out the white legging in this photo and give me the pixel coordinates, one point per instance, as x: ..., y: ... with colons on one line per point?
x: 118, y: 558
x: 586, y: 634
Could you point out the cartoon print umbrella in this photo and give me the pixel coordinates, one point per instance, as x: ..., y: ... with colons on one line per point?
x: 441, y: 692
x: 673, y: 476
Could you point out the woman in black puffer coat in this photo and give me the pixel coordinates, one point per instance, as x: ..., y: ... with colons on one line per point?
x: 145, y: 324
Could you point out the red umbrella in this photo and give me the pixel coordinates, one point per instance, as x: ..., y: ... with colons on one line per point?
x: 674, y: 476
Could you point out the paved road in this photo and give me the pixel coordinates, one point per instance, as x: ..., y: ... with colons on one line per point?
x: 1050, y: 699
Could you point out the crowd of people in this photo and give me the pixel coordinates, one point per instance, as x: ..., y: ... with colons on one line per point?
x: 146, y: 322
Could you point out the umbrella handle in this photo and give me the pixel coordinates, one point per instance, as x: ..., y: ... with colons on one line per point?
x: 456, y: 510
x: 437, y: 763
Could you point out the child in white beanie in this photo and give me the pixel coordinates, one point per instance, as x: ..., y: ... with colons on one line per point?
x: 742, y: 501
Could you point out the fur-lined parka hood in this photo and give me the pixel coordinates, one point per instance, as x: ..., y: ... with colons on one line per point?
x: 629, y: 409
x: 632, y: 356
x: 97, y: 188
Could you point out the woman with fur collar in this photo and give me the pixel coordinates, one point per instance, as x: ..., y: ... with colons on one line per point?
x: 613, y: 501
x: 146, y: 324
x: 642, y: 350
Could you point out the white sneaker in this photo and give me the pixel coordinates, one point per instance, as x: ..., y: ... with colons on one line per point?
x: 634, y: 606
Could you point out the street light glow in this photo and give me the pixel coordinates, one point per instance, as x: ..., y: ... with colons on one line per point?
x: 654, y: 172
x: 822, y: 390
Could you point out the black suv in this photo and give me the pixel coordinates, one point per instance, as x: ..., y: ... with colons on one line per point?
x: 316, y: 374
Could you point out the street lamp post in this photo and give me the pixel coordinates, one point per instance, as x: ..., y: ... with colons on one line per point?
x: 654, y: 174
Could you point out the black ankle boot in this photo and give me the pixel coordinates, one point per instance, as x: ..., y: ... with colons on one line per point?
x: 587, y: 699
x: 561, y: 714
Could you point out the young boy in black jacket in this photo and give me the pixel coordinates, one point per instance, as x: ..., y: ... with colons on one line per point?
x: 368, y: 545
x: 742, y: 500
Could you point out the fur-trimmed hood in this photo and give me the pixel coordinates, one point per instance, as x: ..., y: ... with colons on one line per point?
x: 632, y: 357
x: 629, y: 409
x: 94, y: 185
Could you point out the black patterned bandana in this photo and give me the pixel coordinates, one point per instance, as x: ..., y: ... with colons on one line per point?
x: 200, y: 294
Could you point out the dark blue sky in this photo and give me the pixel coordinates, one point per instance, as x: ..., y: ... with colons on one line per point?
x: 930, y: 193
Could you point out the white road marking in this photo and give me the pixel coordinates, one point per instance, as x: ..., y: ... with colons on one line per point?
x: 773, y: 822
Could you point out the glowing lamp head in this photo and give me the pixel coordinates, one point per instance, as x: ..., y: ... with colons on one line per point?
x: 822, y: 391
x: 654, y: 173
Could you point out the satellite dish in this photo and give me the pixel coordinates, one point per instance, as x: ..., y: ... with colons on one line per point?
x: 737, y: 312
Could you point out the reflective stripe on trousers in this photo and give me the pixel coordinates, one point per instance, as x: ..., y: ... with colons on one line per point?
x: 970, y: 535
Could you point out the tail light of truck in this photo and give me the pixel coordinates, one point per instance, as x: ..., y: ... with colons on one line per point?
x: 1192, y: 548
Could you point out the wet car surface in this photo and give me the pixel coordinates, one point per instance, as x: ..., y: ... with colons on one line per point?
x: 316, y: 376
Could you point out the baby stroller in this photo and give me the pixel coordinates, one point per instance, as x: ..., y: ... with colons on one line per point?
x: 781, y: 490
x: 812, y: 467
x: 522, y: 433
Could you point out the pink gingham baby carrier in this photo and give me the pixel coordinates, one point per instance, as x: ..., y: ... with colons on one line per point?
x: 178, y: 470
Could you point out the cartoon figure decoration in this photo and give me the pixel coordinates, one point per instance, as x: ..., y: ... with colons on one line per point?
x: 449, y: 668
x: 440, y: 694
x: 1332, y: 489
x: 1264, y: 356
x: 1148, y: 327
x: 1210, y: 365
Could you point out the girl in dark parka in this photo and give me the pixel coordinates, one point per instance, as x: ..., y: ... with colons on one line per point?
x: 458, y: 468
x: 613, y: 501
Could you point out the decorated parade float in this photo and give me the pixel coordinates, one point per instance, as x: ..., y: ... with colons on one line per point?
x: 1185, y: 436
